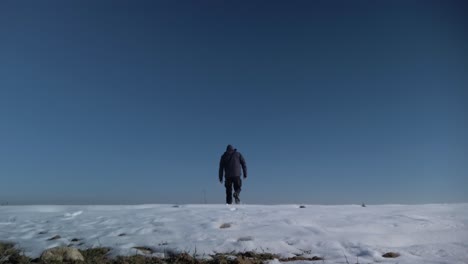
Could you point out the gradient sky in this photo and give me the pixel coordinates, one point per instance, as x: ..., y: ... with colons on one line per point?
x: 330, y: 102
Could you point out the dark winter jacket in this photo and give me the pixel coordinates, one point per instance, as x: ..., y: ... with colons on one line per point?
x: 231, y: 163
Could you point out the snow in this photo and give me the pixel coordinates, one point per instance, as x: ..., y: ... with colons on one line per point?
x: 433, y: 233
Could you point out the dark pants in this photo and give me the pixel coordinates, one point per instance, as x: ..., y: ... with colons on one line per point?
x: 229, y: 183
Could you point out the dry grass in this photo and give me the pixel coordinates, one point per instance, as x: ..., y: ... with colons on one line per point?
x: 11, y: 255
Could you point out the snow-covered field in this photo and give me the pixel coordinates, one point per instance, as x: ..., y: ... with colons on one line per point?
x: 436, y: 233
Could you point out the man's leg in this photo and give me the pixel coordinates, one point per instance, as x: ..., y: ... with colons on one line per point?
x: 228, y: 185
x: 237, y: 188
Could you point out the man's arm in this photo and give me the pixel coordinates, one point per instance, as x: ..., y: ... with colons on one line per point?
x: 244, y: 166
x: 221, y: 169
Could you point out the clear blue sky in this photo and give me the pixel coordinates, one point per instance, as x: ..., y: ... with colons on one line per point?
x: 329, y: 101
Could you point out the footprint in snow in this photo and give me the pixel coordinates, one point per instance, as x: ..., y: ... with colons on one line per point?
x: 54, y: 238
x: 245, y: 239
x: 225, y: 225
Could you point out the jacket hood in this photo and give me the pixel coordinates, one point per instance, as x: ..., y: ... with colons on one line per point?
x: 230, y: 148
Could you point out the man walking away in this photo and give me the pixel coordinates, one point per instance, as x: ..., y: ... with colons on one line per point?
x: 230, y: 165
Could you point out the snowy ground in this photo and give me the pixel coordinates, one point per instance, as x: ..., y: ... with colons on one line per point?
x: 420, y: 233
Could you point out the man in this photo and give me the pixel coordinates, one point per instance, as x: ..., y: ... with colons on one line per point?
x: 230, y: 165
